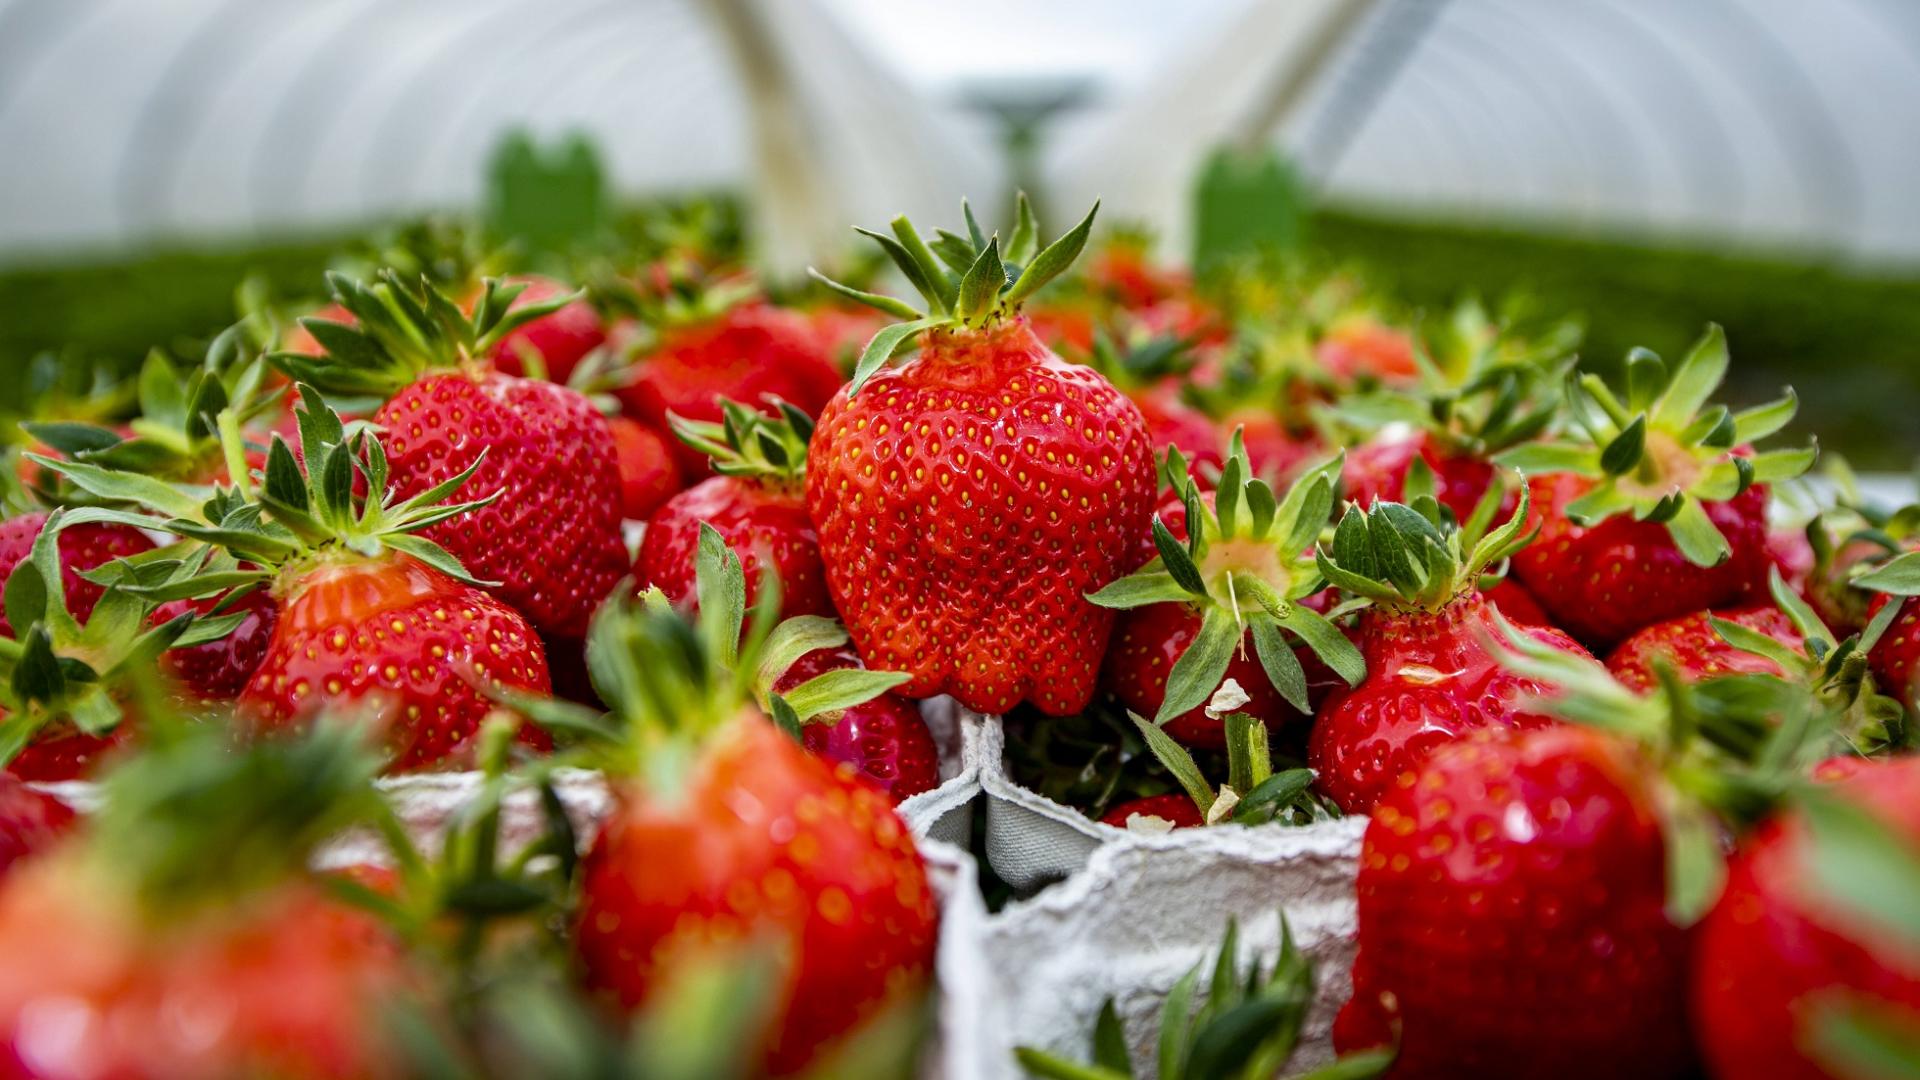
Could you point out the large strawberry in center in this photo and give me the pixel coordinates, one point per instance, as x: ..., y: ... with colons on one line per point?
x: 969, y: 499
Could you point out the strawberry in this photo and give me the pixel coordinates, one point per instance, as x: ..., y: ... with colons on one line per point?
x: 733, y: 832
x: 1224, y: 604
x: 30, y: 821
x: 220, y: 669
x: 1512, y: 918
x: 1376, y: 471
x: 649, y: 475
x: 552, y: 540
x: 1694, y: 650
x: 1430, y: 675
x: 83, y: 547
x: 749, y: 351
x: 757, y: 504
x: 969, y: 499
x: 1797, y: 945
x: 1516, y: 603
x: 559, y: 340
x: 1662, y: 511
x: 1362, y: 349
x: 885, y: 741
x: 1174, y: 808
x: 369, y: 610
x: 1148, y: 370
x: 181, y: 934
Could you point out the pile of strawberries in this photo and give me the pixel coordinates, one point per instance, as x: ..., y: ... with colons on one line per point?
x: 1631, y: 746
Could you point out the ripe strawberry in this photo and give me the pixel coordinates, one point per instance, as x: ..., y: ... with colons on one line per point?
x: 1214, y: 607
x: 220, y: 669
x: 370, y: 612
x: 29, y: 821
x: 1512, y: 918
x: 1360, y: 349
x: 1430, y: 676
x: 735, y: 833
x: 1175, y: 808
x: 559, y: 339
x: 1659, y: 514
x: 969, y: 499
x: 1694, y: 650
x: 179, y: 934
x: 1376, y: 471
x: 552, y: 540
x: 750, y: 351
x: 649, y: 475
x: 1516, y: 603
x: 82, y: 548
x: 1791, y: 946
x: 884, y: 741
x: 756, y: 503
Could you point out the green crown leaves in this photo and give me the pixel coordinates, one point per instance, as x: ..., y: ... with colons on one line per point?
x: 1409, y: 557
x: 967, y: 282
x: 1663, y: 451
x: 747, y: 442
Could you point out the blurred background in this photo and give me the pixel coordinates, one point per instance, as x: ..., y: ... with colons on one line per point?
x: 1652, y: 165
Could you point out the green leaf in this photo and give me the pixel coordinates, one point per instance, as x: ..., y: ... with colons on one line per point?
x: 1052, y: 261
x: 123, y: 487
x: 25, y: 596
x: 1646, y: 376
x: 842, y: 688
x: 1277, y: 660
x: 1752, y: 425
x: 1695, y: 534
x: 1855, y: 1036
x: 1773, y: 466
x: 1327, y: 642
x: 793, y: 639
x: 881, y: 349
x: 202, y: 631
x: 1175, y: 1016
x: 980, y: 289
x: 1694, y: 381
x: 897, y: 308
x: 720, y: 586
x: 73, y: 439
x: 936, y: 290
x: 1541, y: 458
x: 1139, y: 590
x: 1024, y: 241
x: 1178, y: 762
x: 433, y: 555
x: 1261, y: 510
x: 1749, y: 640
x: 1177, y: 558
x: 1624, y: 452
x: 1900, y: 576
x: 38, y: 675
x: 1363, y: 1065
x: 1696, y: 864
x: 1863, y: 867
x: 1272, y: 795
x: 1109, y: 1039
x: 1042, y: 1064
x: 1601, y: 501
x: 1198, y: 671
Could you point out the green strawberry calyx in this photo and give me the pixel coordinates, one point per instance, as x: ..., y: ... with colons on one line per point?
x: 748, y: 443
x: 401, y: 332
x: 1253, y: 793
x: 291, y: 517
x: 1664, y: 452
x: 1410, y: 557
x: 1245, y: 565
x: 968, y: 283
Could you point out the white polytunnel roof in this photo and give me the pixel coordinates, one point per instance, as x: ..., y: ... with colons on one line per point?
x: 1775, y: 121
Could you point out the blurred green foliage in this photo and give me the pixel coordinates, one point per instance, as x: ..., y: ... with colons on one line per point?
x: 1848, y: 341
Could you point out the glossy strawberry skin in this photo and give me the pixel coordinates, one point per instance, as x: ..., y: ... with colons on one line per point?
x: 749, y: 353
x: 1516, y: 603
x: 220, y: 670
x: 561, y: 339
x: 1377, y: 470
x: 30, y: 821
x: 552, y: 539
x: 285, y: 985
x: 1772, y: 947
x: 62, y: 752
x: 1604, y: 581
x: 1694, y: 651
x: 1512, y: 920
x: 82, y: 548
x: 884, y: 742
x: 1175, y: 807
x: 763, y: 838
x: 1172, y: 422
x: 1430, y: 680
x: 1145, y: 644
x: 394, y: 634
x: 1895, y: 658
x: 967, y: 501
x: 764, y: 522
x: 649, y: 474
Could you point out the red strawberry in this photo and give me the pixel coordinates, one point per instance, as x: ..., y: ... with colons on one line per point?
x: 62, y: 752
x: 1363, y: 349
x: 1782, y: 948
x: 1694, y: 650
x: 219, y: 670
x: 1664, y: 512
x: 884, y: 741
x: 750, y: 352
x: 1174, y: 808
x: 1172, y: 422
x: 178, y: 936
x: 750, y: 839
x: 561, y: 338
x: 756, y: 504
x: 1377, y: 471
x: 1790, y: 552
x: 1213, y: 606
x: 82, y: 547
x: 1516, y: 603
x: 552, y: 539
x: 649, y: 475
x: 1430, y: 675
x: 969, y: 499
x: 29, y: 821
x: 1512, y: 916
